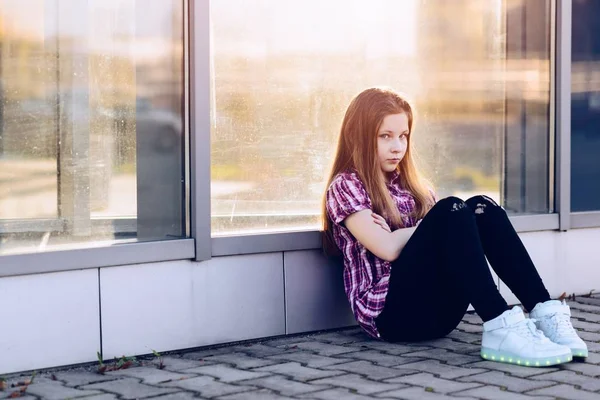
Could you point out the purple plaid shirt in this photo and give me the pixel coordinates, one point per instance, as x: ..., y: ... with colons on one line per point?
x: 366, y: 277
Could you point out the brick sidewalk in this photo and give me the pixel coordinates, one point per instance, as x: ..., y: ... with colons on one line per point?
x: 338, y: 365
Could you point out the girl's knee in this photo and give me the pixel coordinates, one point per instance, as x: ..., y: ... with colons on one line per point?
x: 450, y: 204
x: 480, y: 204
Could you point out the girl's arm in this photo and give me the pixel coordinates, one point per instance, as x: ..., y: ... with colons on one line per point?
x: 385, y: 245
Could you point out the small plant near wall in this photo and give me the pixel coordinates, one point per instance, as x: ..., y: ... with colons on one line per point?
x: 2, y: 384
x: 124, y: 362
x: 119, y: 363
x: 161, y: 364
x: 21, y: 386
x: 101, y: 365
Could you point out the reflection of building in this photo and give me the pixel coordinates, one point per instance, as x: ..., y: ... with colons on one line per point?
x: 585, y: 105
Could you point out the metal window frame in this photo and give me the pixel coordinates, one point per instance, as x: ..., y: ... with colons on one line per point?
x: 586, y: 219
x: 202, y: 246
x: 311, y: 240
x: 200, y: 124
x: 563, y: 113
x: 116, y: 253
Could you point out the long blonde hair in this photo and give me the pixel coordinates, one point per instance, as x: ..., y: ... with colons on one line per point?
x: 357, y: 148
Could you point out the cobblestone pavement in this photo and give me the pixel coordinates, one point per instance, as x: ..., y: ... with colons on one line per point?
x: 339, y: 365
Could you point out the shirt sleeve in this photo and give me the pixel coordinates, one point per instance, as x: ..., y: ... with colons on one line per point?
x: 434, y: 197
x: 346, y: 196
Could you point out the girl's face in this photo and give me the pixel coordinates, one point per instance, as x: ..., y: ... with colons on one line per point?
x: 392, y: 141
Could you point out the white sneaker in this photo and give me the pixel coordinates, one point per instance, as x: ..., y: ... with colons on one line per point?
x: 553, y: 317
x: 514, y: 339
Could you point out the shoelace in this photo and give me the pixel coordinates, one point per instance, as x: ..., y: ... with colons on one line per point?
x: 562, y: 324
x: 528, y: 330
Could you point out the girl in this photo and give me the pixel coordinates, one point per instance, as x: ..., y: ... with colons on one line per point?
x: 412, y: 265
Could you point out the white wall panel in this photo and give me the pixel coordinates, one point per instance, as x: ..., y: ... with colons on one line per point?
x: 314, y: 293
x: 49, y: 320
x: 183, y: 304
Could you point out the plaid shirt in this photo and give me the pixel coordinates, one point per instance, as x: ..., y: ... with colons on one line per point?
x: 366, y: 277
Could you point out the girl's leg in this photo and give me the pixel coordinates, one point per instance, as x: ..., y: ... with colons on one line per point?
x: 512, y: 263
x: 440, y: 271
x: 506, y: 252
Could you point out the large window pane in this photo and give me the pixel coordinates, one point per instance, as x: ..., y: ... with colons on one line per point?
x: 585, y: 106
x: 284, y: 72
x: 91, y: 117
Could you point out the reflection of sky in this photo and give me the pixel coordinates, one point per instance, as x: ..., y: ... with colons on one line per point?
x: 29, y: 17
x: 143, y: 29
x: 257, y: 27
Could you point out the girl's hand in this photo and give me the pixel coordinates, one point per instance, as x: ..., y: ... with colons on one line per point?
x: 379, y: 220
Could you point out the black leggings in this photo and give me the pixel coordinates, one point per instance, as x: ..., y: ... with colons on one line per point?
x: 443, y: 268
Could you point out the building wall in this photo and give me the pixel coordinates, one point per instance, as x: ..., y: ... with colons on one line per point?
x: 65, y: 318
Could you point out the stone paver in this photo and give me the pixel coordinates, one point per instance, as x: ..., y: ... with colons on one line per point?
x: 586, y: 326
x: 79, y: 378
x: 323, y: 349
x: 308, y: 359
x: 226, y: 373
x: 262, y: 394
x: 150, y: 376
x: 453, y: 345
x: 240, y: 360
x: 369, y: 370
x: 394, y: 348
x: 260, y: 350
x: 286, y: 386
x: 208, y: 387
x: 56, y: 391
x: 566, y: 392
x: 446, y: 356
x: 108, y: 397
x: 337, y: 394
x: 174, y: 396
x: 376, y: 357
x: 359, y: 384
x: 339, y: 365
x: 416, y: 393
x: 128, y: 388
x: 512, y: 383
x: 298, y: 372
x: 337, y: 338
x: 496, y: 393
x: 176, y: 364
x: 473, y: 338
x: 570, y: 377
x: 511, y: 369
x: 443, y: 370
x: 438, y: 385
x: 590, y: 370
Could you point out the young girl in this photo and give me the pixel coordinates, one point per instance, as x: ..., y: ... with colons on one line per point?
x: 413, y: 265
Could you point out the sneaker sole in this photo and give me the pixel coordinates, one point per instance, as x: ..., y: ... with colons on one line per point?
x: 579, y: 353
x: 509, y: 358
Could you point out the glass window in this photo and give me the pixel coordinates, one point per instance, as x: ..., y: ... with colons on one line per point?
x: 585, y: 106
x: 91, y: 118
x: 283, y: 73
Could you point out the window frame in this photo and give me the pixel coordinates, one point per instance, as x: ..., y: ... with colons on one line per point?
x: 202, y: 246
x: 103, y: 254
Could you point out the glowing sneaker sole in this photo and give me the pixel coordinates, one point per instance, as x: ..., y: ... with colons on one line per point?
x: 579, y: 353
x: 508, y: 358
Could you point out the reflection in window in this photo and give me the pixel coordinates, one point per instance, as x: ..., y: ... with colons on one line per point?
x: 585, y: 106
x: 284, y: 72
x: 91, y: 137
